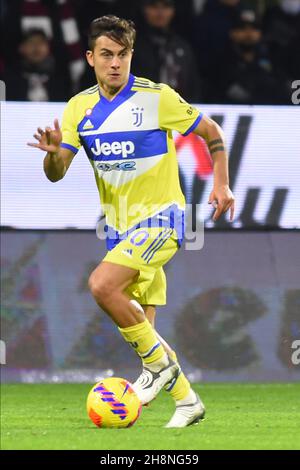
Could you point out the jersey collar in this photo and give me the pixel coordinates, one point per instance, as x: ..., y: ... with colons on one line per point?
x: 120, y: 96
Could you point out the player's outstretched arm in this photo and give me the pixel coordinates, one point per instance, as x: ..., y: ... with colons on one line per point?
x: 58, y: 159
x: 221, y: 196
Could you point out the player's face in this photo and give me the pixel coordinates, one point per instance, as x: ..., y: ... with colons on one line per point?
x: 111, y: 62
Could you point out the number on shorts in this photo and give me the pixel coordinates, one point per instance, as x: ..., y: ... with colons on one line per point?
x: 145, y: 236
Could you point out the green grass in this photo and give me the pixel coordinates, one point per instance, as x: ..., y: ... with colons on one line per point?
x: 239, y: 416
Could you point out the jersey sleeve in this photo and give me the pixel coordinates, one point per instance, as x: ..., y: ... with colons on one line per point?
x: 70, y: 136
x: 175, y: 113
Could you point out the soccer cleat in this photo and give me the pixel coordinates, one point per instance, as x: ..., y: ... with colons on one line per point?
x: 150, y: 383
x: 185, y: 415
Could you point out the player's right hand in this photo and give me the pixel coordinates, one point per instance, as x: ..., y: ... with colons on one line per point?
x: 49, y: 139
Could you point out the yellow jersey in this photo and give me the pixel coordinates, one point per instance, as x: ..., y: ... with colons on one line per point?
x: 130, y: 146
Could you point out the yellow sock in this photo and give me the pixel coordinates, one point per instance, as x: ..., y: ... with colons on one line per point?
x: 178, y: 388
x: 143, y: 339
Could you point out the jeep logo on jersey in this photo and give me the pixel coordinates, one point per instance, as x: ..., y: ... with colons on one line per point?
x: 124, y: 148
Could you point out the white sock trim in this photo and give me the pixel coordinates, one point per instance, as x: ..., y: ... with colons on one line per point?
x: 156, y: 366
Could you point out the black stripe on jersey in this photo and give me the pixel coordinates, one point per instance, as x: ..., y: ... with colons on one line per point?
x: 93, y: 89
x: 89, y: 91
x: 141, y: 83
x: 146, y: 83
x: 142, y: 80
x: 153, y: 87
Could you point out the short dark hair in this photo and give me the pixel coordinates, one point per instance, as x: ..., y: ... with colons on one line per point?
x: 34, y: 32
x: 117, y: 29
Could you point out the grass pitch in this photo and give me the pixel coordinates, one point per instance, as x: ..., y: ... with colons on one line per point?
x: 239, y: 416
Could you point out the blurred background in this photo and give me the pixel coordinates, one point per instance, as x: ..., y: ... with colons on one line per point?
x: 233, y: 310
x: 211, y: 51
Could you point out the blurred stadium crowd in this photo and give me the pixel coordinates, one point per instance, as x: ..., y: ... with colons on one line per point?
x: 210, y: 51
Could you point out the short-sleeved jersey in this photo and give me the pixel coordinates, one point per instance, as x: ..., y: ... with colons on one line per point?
x: 129, y: 143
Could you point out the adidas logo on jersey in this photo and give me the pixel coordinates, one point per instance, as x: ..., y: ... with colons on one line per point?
x: 124, y: 148
x: 88, y: 125
x: 127, y: 253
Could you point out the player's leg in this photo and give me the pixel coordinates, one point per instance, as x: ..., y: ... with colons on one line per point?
x: 108, y: 283
x: 150, y: 313
x: 146, y: 250
x: 189, y: 407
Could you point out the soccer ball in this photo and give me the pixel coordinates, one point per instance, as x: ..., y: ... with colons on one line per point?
x: 112, y: 403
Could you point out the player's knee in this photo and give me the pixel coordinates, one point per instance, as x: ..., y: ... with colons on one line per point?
x: 100, y: 288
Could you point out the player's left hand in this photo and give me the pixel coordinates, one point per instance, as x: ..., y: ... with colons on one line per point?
x: 222, y: 199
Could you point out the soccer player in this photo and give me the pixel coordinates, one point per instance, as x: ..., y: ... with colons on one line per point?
x: 125, y: 125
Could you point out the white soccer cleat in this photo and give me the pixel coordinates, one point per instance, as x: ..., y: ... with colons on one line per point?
x: 185, y: 415
x: 150, y: 383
